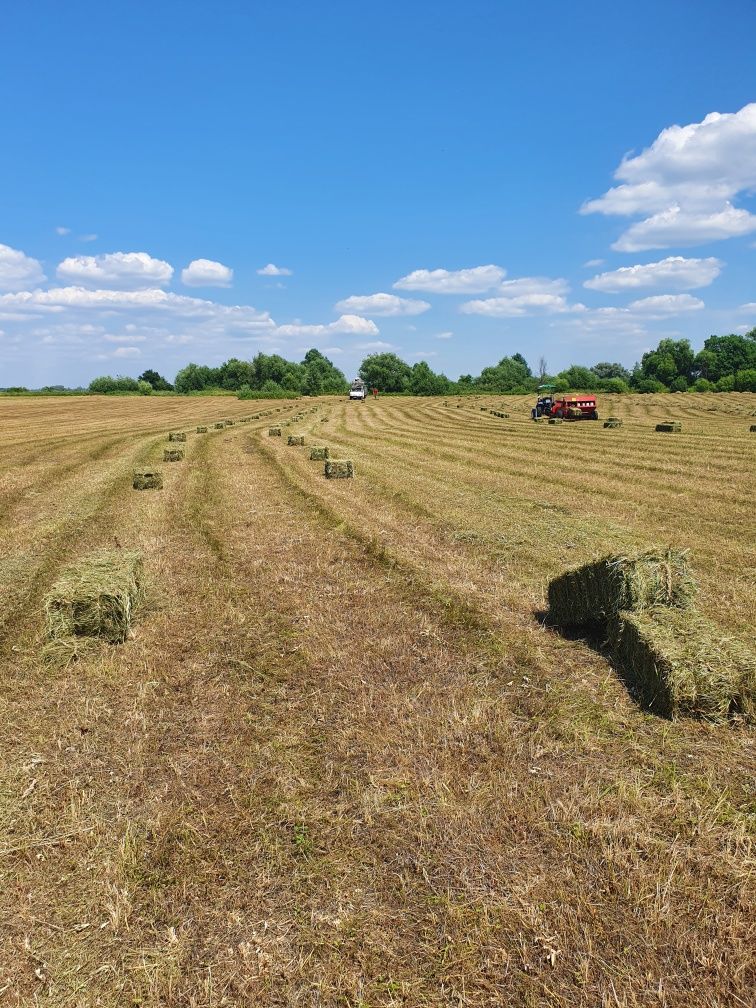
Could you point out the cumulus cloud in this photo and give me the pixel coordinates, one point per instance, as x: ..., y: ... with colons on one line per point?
x: 533, y: 285
x: 661, y: 305
x: 522, y: 304
x: 374, y: 345
x: 683, y: 185
x: 474, y: 280
x: 382, y: 304
x: 127, y: 351
x: 18, y: 271
x: 272, y: 270
x: 206, y: 273
x: 351, y: 324
x: 117, y: 270
x: 675, y: 272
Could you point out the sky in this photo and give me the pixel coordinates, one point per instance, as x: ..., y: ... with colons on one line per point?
x: 183, y: 181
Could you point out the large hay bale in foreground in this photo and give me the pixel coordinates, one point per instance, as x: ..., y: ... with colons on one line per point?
x: 173, y: 455
x: 319, y: 453
x: 274, y: 432
x: 177, y: 436
x: 339, y: 469
x: 96, y: 597
x: 669, y: 427
x: 597, y: 591
x: 679, y: 663
x: 295, y: 439
x: 148, y: 479
x: 202, y: 430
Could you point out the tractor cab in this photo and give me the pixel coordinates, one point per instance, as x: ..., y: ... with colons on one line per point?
x: 544, y: 402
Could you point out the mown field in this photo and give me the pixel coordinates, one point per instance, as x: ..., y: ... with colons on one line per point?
x: 341, y: 761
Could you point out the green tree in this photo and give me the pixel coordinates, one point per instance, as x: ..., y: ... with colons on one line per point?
x: 579, y: 377
x: 607, y: 370
x: 145, y: 388
x: 158, y: 383
x: 425, y: 382
x: 386, y: 372
x: 509, y: 374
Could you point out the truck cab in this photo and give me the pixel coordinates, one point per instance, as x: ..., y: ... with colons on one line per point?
x: 358, y: 390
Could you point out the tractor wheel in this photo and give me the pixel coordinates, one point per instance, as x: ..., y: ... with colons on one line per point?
x: 594, y: 415
x: 558, y: 413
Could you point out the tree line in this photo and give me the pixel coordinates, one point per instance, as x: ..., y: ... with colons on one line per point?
x: 725, y: 364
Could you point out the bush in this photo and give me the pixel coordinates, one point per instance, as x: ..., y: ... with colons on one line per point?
x: 650, y: 385
x: 703, y: 385
x: 269, y: 390
x: 107, y: 385
x: 726, y: 384
x: 680, y: 384
x: 145, y: 388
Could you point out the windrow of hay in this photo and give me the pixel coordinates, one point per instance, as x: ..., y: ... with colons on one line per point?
x: 669, y: 427
x: 598, y: 591
x: 274, y: 432
x: 319, y: 453
x: 339, y: 469
x: 679, y: 663
x: 177, y: 436
x: 96, y: 597
x: 147, y: 479
x: 295, y: 439
x: 173, y: 455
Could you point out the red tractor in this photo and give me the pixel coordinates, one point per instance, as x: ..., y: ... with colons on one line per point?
x: 563, y: 407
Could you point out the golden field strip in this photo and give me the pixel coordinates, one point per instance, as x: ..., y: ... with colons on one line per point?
x: 341, y: 761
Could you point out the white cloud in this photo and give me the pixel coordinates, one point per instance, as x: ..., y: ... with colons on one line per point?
x: 118, y: 270
x: 88, y: 237
x: 332, y: 350
x: 594, y: 262
x: 272, y: 270
x: 661, y: 305
x: 127, y: 351
x: 351, y: 324
x: 523, y: 304
x: 375, y: 345
x: 676, y: 226
x: 675, y: 271
x: 684, y: 183
x: 206, y: 273
x: 128, y: 337
x: 474, y: 280
x: 750, y: 306
x: 444, y: 335
x: 422, y: 354
x: 18, y: 271
x: 62, y: 231
x: 382, y: 304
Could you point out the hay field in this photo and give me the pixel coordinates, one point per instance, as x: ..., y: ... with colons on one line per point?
x: 341, y: 761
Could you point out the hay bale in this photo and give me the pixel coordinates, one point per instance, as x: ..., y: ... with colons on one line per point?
x: 752, y: 428
x: 319, y: 454
x: 148, y: 479
x: 274, y: 432
x: 173, y: 455
x: 219, y: 426
x: 202, y: 430
x: 597, y: 591
x: 228, y: 423
x: 295, y: 439
x: 679, y: 664
x: 555, y: 420
x: 612, y: 423
x: 96, y: 597
x: 339, y: 469
x: 177, y: 436
x: 669, y: 427
x: 323, y: 419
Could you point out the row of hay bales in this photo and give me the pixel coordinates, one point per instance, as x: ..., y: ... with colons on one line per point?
x: 94, y: 601
x: 676, y: 662
x: 334, y: 468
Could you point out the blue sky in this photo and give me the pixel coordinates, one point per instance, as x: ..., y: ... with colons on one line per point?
x: 464, y: 161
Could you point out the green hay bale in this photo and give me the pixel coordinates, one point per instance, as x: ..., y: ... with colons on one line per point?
x: 669, y: 427
x: 173, y: 455
x: 177, y: 436
x: 202, y: 430
x: 679, y: 664
x: 555, y: 420
x: 319, y: 454
x: 228, y: 423
x: 612, y: 423
x: 295, y: 439
x: 597, y: 591
x: 96, y: 597
x: 219, y: 426
x: 274, y: 432
x: 148, y: 479
x: 339, y: 469
x: 752, y: 428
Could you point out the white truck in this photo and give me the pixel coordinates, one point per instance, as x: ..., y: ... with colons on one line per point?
x: 359, y: 389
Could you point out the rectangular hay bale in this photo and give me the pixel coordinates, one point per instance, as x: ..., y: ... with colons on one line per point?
x: 177, y: 436
x: 295, y: 439
x: 597, y: 591
x: 681, y: 664
x: 339, y: 469
x: 96, y: 597
x: 319, y: 453
x: 219, y: 426
x: 173, y: 455
x: 202, y: 430
x: 669, y: 427
x: 274, y: 432
x: 147, y: 479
